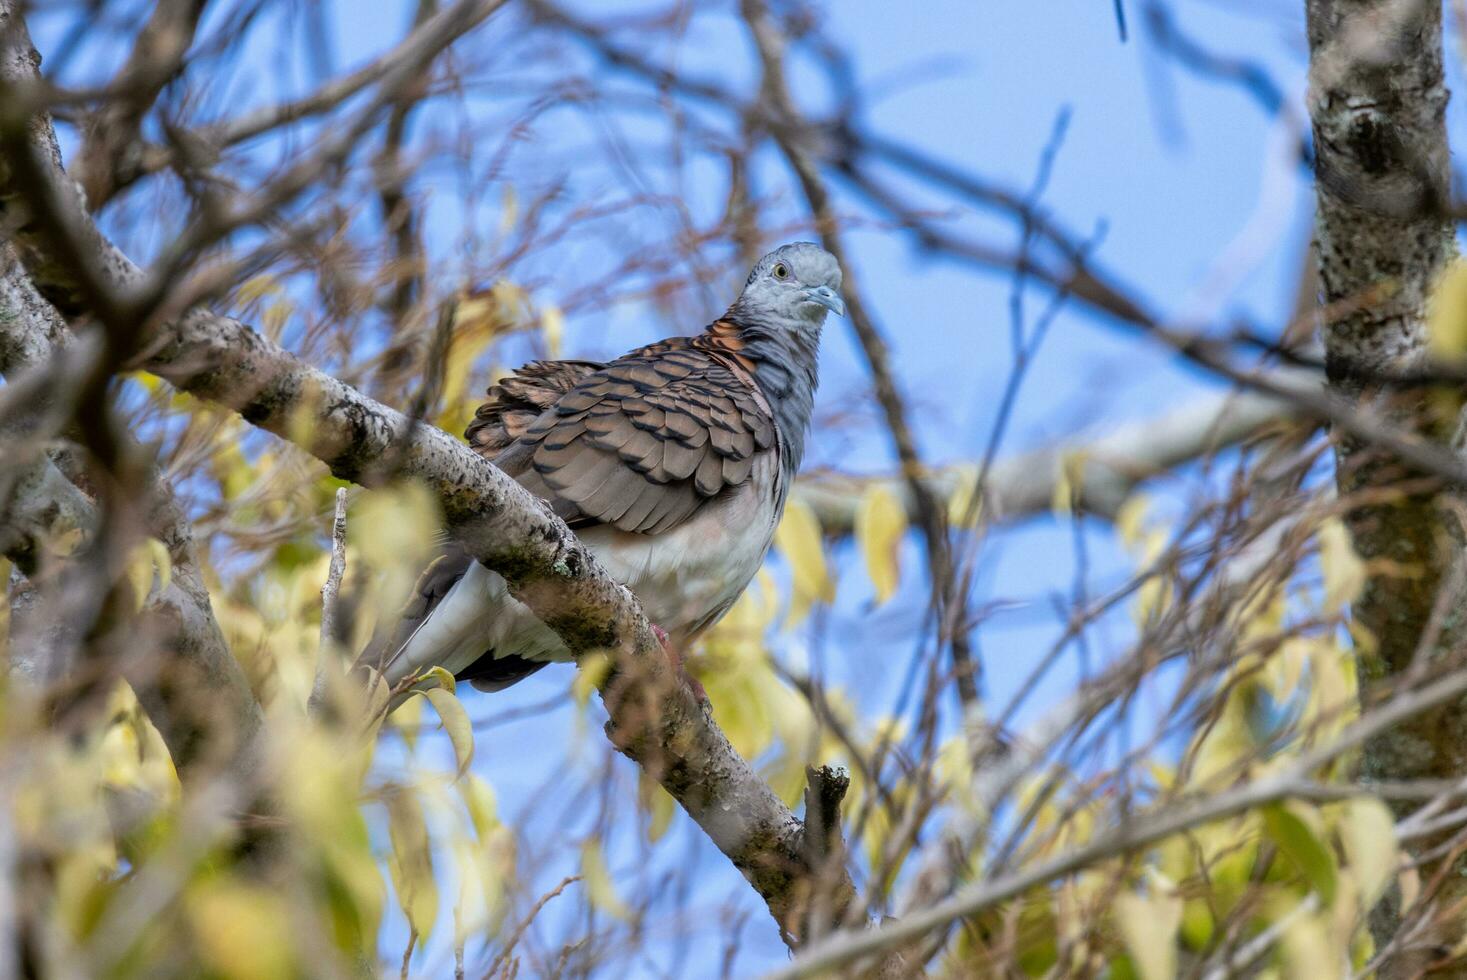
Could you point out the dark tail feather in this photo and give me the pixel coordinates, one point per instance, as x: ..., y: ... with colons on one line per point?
x: 490, y: 673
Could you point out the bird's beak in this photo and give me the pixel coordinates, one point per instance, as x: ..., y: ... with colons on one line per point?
x: 828, y: 298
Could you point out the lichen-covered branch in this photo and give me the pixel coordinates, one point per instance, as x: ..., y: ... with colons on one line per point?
x: 1377, y: 102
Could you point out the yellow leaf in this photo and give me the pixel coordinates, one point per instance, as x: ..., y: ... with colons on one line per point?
x: 1446, y: 321
x: 1069, y: 482
x: 659, y: 806
x: 1344, y: 572
x: 591, y: 672
x: 411, y: 862
x: 480, y: 802
x: 456, y: 722
x: 407, y: 719
x: 1285, y: 669
x: 798, y: 539
x: 471, y: 910
x: 256, y: 288
x: 599, y: 888
x: 378, y: 692
x: 964, y: 498
x: 440, y: 677
x: 243, y: 931
x: 1409, y: 881
x: 464, y: 348
x: 881, y: 520
x: 162, y: 561
x: 395, y: 531
x: 1131, y: 517
x: 1148, y: 926
x: 65, y: 544
x: 148, y: 561
x: 1368, y: 832
x: 1307, y: 948
x: 300, y: 426
x: 552, y: 326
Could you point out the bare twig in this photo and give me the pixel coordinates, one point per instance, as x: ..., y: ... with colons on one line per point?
x: 330, y: 604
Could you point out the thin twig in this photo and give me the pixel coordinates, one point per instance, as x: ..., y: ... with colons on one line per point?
x: 330, y: 604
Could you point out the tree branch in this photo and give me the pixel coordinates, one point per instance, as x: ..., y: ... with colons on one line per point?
x: 1110, y: 467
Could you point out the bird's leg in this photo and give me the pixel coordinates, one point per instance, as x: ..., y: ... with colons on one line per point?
x: 675, y: 658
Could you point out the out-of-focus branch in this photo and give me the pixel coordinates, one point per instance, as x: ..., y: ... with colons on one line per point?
x: 1103, y: 471
x: 426, y: 41
x: 845, y: 149
x: 112, y: 152
x: 792, y: 134
x: 199, y: 700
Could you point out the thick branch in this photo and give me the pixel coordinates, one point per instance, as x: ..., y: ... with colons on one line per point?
x: 1110, y: 467
x: 1377, y: 103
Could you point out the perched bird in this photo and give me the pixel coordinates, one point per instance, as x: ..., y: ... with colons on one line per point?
x: 672, y: 464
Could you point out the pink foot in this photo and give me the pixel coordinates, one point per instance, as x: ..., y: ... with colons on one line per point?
x: 676, y: 659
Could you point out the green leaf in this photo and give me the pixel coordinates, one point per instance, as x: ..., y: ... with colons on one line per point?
x: 1287, y: 825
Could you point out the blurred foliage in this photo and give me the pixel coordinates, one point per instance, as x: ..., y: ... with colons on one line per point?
x: 128, y: 876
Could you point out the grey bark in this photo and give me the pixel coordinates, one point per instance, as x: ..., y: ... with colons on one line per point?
x: 1383, y: 233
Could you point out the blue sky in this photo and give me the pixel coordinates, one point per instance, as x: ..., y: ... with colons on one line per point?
x: 1166, y: 169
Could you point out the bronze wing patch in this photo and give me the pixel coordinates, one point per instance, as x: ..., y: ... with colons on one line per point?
x: 516, y: 401
x: 641, y: 442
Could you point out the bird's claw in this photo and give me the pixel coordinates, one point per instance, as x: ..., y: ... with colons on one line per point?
x: 676, y: 659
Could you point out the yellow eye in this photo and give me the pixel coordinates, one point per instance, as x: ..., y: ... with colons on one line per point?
x: 781, y: 271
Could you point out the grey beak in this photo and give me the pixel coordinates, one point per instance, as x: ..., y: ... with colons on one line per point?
x: 827, y: 298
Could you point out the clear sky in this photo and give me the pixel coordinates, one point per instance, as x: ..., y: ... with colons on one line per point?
x: 1182, y: 183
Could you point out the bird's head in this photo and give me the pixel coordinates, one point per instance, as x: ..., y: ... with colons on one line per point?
x: 797, y: 282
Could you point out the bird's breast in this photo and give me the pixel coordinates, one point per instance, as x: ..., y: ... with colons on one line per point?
x: 688, y: 577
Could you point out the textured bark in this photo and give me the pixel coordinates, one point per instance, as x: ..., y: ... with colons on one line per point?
x: 1378, y: 103
x: 199, y: 698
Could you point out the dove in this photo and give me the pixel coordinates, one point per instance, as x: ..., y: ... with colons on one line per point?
x: 671, y: 463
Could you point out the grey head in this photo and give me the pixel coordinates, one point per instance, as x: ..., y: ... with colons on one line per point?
x: 797, y: 283
x: 779, y: 316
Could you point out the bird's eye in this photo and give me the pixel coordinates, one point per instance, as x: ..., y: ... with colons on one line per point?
x: 781, y: 271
